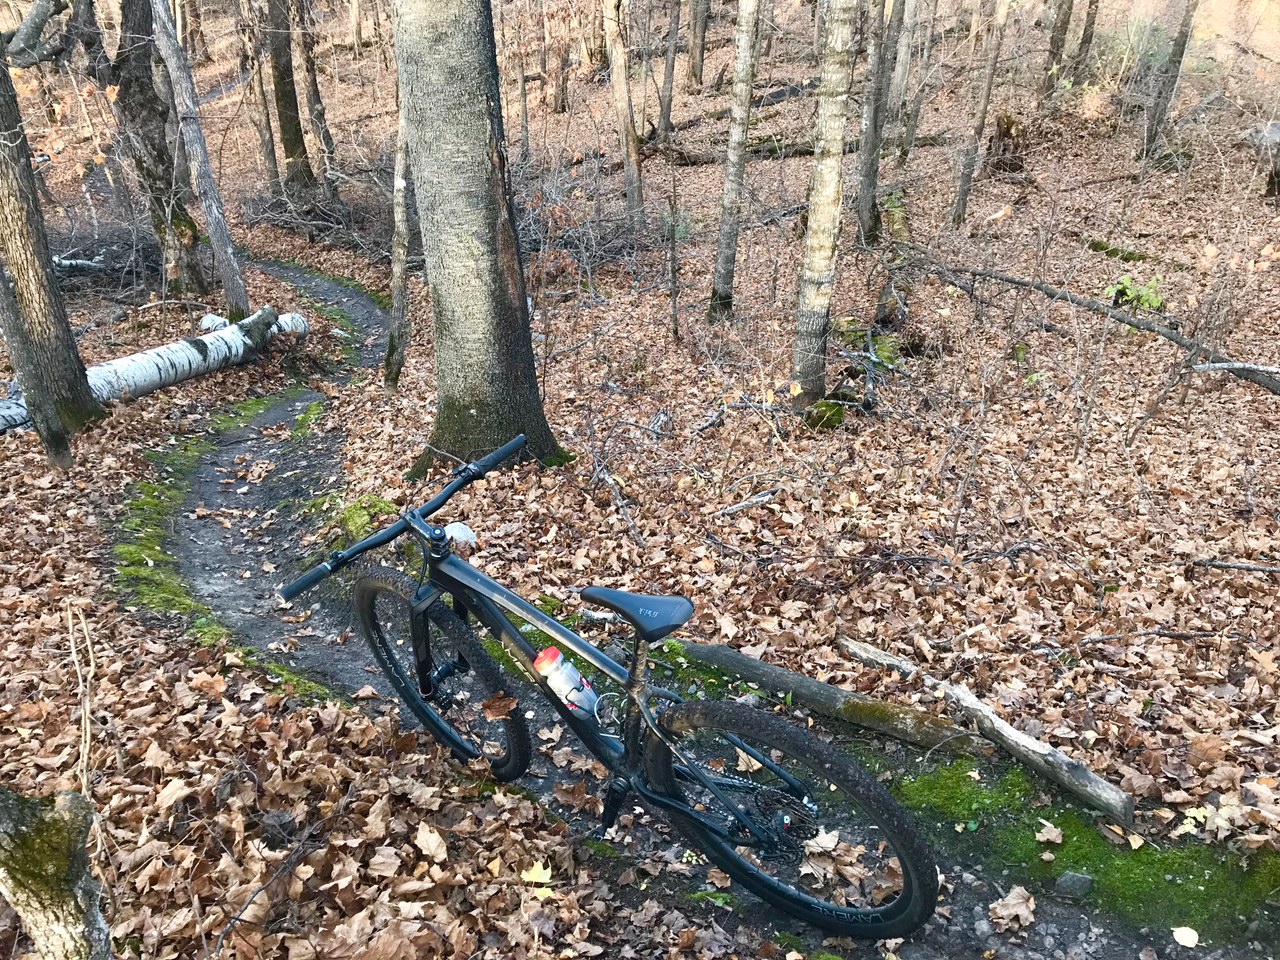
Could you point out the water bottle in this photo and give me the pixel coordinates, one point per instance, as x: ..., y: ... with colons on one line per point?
x: 566, y: 682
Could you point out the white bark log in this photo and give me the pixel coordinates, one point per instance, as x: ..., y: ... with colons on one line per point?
x: 142, y: 373
x: 1049, y: 762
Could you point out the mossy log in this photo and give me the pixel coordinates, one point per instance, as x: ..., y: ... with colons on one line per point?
x: 1049, y: 762
x: 44, y: 875
x: 894, y: 720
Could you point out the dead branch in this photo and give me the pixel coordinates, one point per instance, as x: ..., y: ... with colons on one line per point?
x: 894, y: 720
x: 1235, y: 565
x: 1244, y: 371
x: 1048, y: 761
x: 1235, y: 367
x: 759, y: 499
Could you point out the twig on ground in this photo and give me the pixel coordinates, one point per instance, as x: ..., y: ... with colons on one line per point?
x: 763, y: 497
x: 1236, y: 565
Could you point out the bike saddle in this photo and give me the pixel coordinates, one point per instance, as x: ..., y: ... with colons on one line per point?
x: 653, y: 617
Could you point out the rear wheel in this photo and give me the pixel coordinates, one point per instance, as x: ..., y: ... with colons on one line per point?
x: 447, y: 680
x: 828, y: 844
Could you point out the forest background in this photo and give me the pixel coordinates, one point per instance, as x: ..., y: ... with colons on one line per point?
x: 1008, y: 488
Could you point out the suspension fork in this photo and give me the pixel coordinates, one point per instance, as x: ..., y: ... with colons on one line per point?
x: 420, y: 633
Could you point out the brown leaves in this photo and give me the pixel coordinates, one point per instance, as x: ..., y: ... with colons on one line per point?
x: 498, y: 706
x: 1017, y: 911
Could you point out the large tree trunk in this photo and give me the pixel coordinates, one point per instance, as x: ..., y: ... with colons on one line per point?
x: 1057, y: 43
x: 614, y: 26
x: 969, y: 160
x: 744, y: 70
x: 357, y: 41
x: 308, y: 83
x: 41, y: 345
x: 1167, y: 81
x: 45, y: 876
x: 487, y: 382
x: 401, y: 330
x: 298, y: 174
x: 884, y: 39
x: 699, y: 12
x: 142, y: 116
x: 818, y: 269
x: 1080, y: 62
x: 255, y: 54
x: 669, y: 73
x: 139, y: 374
x: 184, y: 93
x: 193, y: 32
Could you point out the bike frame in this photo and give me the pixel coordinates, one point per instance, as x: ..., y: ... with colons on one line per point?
x: 486, y: 599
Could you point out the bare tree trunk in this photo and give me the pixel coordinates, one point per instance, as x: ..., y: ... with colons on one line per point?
x: 617, y: 45
x: 879, y: 66
x: 902, y: 61
x: 142, y: 116
x: 817, y: 270
x: 1080, y: 62
x: 302, y: 48
x: 401, y: 331
x: 487, y: 382
x: 45, y: 876
x: 555, y: 88
x: 1167, y: 81
x: 298, y: 173
x: 912, y: 122
x: 522, y: 92
x: 969, y: 161
x: 41, y: 345
x: 669, y: 73
x: 193, y: 32
x: 357, y: 41
x: 699, y: 12
x: 1062, y: 10
x: 744, y: 68
x: 255, y: 53
x: 594, y: 44
x: 184, y: 93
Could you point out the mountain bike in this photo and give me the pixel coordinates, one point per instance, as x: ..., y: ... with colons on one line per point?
x: 789, y: 817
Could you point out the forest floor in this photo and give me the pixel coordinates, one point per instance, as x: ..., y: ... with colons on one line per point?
x: 1023, y: 512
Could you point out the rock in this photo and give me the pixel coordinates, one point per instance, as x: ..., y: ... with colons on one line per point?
x: 982, y: 929
x: 1074, y: 885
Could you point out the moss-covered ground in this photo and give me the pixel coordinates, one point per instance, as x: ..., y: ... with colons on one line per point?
x: 148, y: 576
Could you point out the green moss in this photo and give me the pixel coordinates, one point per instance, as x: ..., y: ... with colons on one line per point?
x: 1123, y: 254
x: 952, y: 790
x: 560, y: 458
x: 789, y: 941
x: 307, y: 419
x: 824, y: 415
x: 602, y: 849
x: 347, y: 521
x: 721, y: 899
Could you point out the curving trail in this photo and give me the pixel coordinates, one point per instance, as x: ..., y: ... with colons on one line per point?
x: 239, y: 535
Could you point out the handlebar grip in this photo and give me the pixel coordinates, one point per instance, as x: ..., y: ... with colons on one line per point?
x: 496, y: 459
x: 305, y: 582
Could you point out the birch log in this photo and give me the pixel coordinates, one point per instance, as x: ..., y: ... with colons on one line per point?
x: 1050, y: 763
x: 128, y: 378
x: 900, y: 722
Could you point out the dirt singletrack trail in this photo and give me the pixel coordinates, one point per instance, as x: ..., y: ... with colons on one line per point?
x: 239, y: 535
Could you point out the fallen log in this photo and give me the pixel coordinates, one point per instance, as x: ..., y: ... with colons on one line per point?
x: 1049, y: 762
x: 142, y: 373
x: 902, y: 723
x: 1245, y: 371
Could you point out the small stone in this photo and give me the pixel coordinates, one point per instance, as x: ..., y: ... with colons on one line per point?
x: 982, y: 929
x: 969, y: 879
x: 1073, y: 885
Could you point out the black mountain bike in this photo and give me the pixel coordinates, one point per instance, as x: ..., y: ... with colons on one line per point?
x: 789, y: 817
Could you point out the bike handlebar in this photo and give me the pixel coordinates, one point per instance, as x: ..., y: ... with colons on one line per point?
x: 463, y: 476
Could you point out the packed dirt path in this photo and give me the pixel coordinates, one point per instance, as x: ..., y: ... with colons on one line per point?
x: 239, y: 536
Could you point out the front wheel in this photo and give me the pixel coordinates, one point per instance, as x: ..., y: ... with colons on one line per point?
x: 826, y: 843
x: 444, y: 676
